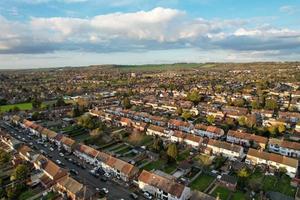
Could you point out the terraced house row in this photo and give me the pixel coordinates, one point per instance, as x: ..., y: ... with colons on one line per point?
x: 207, y: 138
x: 119, y: 168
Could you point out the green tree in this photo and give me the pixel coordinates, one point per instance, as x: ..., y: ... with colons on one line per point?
x: 281, y: 128
x: 194, y: 97
x: 157, y: 145
x: 179, y: 111
x: 255, y: 104
x: 60, y: 102
x: 242, y: 120
x: 251, y: 121
x: 271, y: 104
x: 20, y: 173
x: 243, y: 173
x: 186, y: 115
x: 36, y: 103
x: 172, y: 151
x: 4, y: 157
x: 273, y: 130
x: 210, y: 119
x: 126, y: 103
x: 239, y: 102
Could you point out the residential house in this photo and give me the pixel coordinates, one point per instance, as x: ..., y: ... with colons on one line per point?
x: 162, y: 188
x: 157, y: 130
x: 193, y: 140
x: 234, y: 112
x: 88, y: 154
x: 67, y: 143
x: 258, y: 157
x: 72, y: 189
x: 283, y: 147
x: 180, y: 125
x: 208, y: 131
x: 232, y: 151
x: 246, y: 139
x: 51, y: 171
x: 119, y: 168
x: 177, y: 136
x: 26, y: 153
x: 228, y: 181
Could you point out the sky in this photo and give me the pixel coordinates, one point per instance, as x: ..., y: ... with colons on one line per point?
x: 57, y: 33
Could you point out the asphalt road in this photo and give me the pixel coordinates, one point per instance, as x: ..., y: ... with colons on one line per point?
x: 116, y: 191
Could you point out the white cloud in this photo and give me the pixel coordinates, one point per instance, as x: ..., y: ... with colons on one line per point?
x: 288, y: 9
x: 156, y: 29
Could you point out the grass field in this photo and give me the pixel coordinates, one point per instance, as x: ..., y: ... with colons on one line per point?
x: 201, y: 182
x: 22, y: 106
x: 222, y: 192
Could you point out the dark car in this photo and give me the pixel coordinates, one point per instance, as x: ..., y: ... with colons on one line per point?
x: 73, y: 171
x: 134, y: 196
x: 103, y: 178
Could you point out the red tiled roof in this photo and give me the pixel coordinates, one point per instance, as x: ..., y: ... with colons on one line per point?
x: 162, y: 183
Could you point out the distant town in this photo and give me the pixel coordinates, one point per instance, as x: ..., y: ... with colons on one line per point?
x: 184, y: 131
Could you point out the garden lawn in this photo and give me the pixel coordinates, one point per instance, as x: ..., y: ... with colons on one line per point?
x: 154, y: 165
x: 125, y: 150
x: 170, y: 167
x: 282, y: 185
x: 26, y: 195
x: 222, y: 192
x: 201, y: 182
x: 184, y: 155
x: 238, y: 195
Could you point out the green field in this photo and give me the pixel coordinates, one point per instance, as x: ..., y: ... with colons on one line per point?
x: 201, y: 182
x: 22, y: 106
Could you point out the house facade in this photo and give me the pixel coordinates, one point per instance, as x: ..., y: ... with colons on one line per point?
x: 162, y: 188
x: 285, y: 148
x: 258, y: 157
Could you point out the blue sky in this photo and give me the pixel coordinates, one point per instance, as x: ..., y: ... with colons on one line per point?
x: 52, y: 33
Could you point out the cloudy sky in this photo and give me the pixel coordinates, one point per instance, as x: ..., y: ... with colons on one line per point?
x: 53, y: 33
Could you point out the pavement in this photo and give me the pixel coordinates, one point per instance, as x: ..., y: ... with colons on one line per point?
x: 116, y: 191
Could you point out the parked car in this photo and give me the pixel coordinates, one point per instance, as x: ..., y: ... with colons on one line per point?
x: 147, y: 195
x: 134, y: 196
x: 105, y: 190
x: 73, y: 171
x: 103, y: 178
x: 61, y: 154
